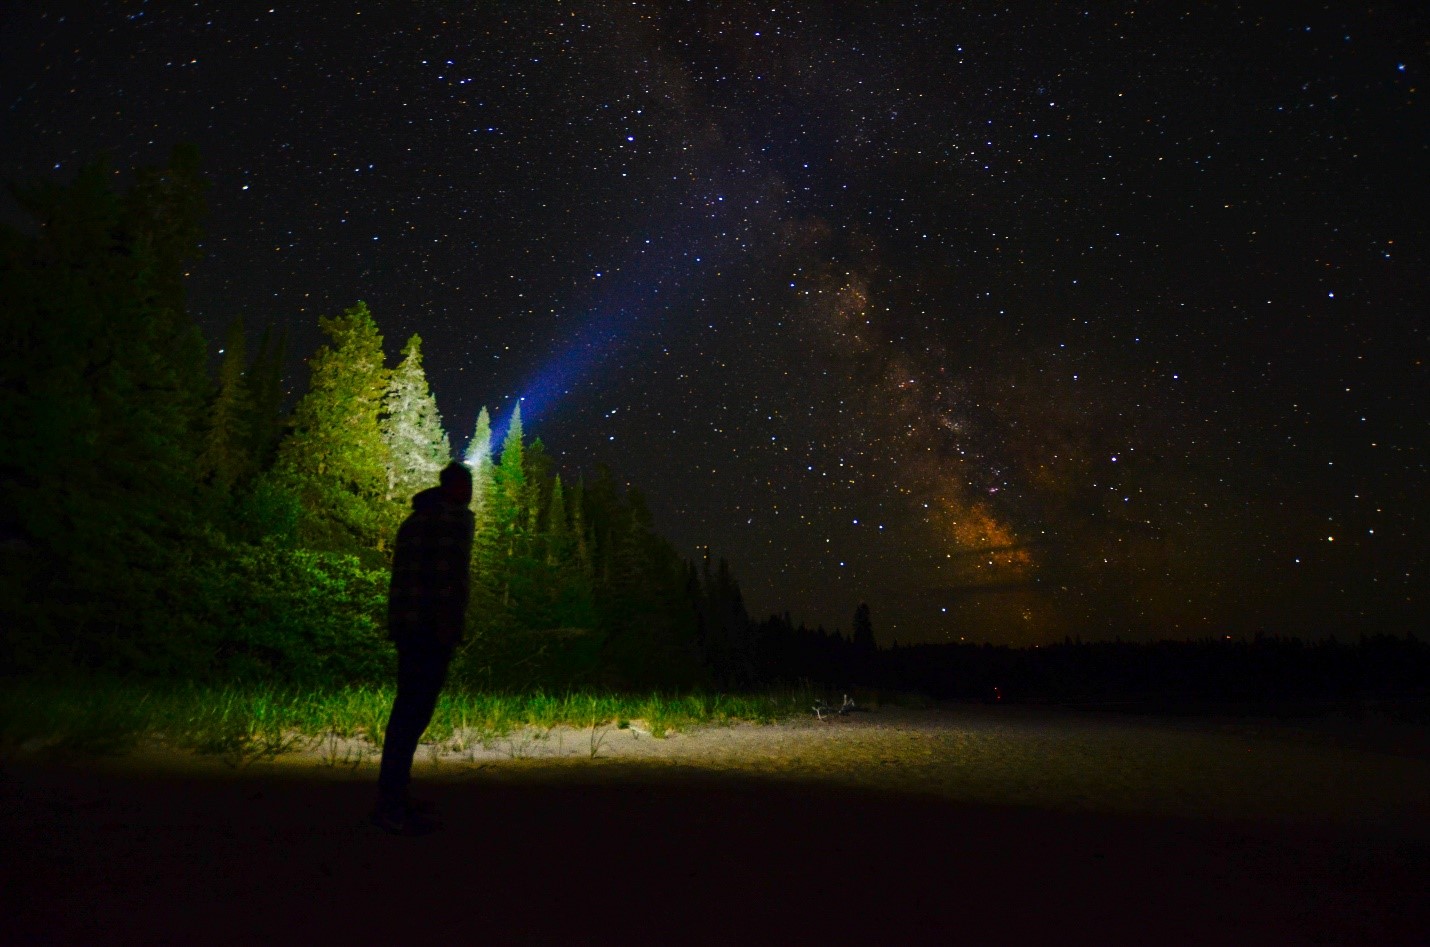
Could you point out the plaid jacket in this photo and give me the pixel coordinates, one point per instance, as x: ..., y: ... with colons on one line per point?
x: 430, y: 570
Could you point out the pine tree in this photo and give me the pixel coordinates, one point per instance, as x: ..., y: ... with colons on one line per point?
x: 479, y: 459
x: 864, y: 631
x: 578, y: 526
x: 485, y: 614
x: 265, y: 388
x: 558, y: 529
x: 509, y: 504
x: 335, y: 459
x: 417, y: 447
x: 513, y: 451
x: 102, y: 365
x: 539, y: 468
x: 227, y: 456
x: 509, y: 478
x: 162, y: 221
x: 101, y: 412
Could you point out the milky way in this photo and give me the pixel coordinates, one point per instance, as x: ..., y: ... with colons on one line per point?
x: 1015, y: 324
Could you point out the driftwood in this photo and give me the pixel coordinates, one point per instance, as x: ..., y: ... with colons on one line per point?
x: 822, y: 709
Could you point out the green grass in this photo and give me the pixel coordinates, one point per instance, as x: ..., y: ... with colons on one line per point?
x: 102, y: 716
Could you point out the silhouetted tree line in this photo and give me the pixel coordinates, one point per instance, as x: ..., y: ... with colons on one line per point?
x: 1264, y: 670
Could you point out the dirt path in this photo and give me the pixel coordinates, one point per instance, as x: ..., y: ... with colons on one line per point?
x: 896, y: 827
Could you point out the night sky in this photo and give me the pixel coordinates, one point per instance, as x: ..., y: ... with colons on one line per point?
x: 1015, y: 322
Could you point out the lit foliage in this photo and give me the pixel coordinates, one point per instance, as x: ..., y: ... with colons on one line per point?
x: 479, y: 459
x: 417, y: 447
x: 297, y: 613
x: 335, y: 459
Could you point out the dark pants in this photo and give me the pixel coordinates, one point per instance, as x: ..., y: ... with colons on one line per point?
x: 421, y: 670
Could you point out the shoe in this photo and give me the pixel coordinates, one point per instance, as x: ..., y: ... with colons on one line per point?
x: 402, y: 821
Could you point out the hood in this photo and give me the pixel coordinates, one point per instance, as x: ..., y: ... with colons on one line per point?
x: 428, y: 501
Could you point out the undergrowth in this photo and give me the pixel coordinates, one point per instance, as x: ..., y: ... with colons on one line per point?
x: 247, y: 722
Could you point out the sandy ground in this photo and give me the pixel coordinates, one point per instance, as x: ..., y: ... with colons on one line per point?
x: 953, y: 825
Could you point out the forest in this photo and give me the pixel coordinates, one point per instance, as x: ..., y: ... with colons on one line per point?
x: 160, y: 520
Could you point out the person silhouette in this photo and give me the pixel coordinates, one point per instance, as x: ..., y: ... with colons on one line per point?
x: 426, y: 610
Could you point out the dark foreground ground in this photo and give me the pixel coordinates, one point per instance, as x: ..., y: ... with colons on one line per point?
x: 110, y: 855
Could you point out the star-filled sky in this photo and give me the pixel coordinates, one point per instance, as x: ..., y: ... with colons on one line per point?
x: 1014, y: 321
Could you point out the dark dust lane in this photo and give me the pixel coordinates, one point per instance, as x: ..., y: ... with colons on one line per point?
x: 98, y: 855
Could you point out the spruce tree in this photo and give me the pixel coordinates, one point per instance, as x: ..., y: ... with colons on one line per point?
x: 864, y: 631
x: 265, y: 389
x: 513, y: 451
x: 540, y: 468
x: 417, y: 447
x: 558, y: 529
x: 509, y: 478
x: 227, y: 456
x: 101, y: 412
x: 335, y: 459
x: 162, y: 222
x: 479, y: 459
x: 486, y: 612
x: 509, y: 504
x: 579, y: 533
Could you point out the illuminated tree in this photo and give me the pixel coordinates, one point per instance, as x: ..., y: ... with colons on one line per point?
x: 479, y: 459
x: 485, y: 612
x: 417, y: 447
x: 510, y: 506
x: 335, y: 459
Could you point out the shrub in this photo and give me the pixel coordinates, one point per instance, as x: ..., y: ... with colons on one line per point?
x: 295, y: 614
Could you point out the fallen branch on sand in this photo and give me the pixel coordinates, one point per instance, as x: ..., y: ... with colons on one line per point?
x: 821, y: 708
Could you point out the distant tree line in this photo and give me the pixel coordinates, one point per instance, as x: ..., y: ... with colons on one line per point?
x: 1265, y: 671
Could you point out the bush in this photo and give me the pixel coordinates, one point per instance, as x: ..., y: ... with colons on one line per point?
x: 295, y: 614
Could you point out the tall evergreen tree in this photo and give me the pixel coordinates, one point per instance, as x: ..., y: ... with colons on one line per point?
x: 479, y: 459
x: 559, y: 551
x: 417, y: 447
x: 265, y: 388
x: 726, y: 639
x: 510, y: 508
x: 540, y: 469
x: 579, y: 532
x: 485, y: 612
x: 335, y: 459
x: 101, y: 401
x: 100, y: 366
x: 163, y: 224
x: 227, y: 456
x: 864, y: 643
x: 513, y: 450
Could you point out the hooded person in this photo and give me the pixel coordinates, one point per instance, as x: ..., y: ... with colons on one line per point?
x: 426, y: 611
